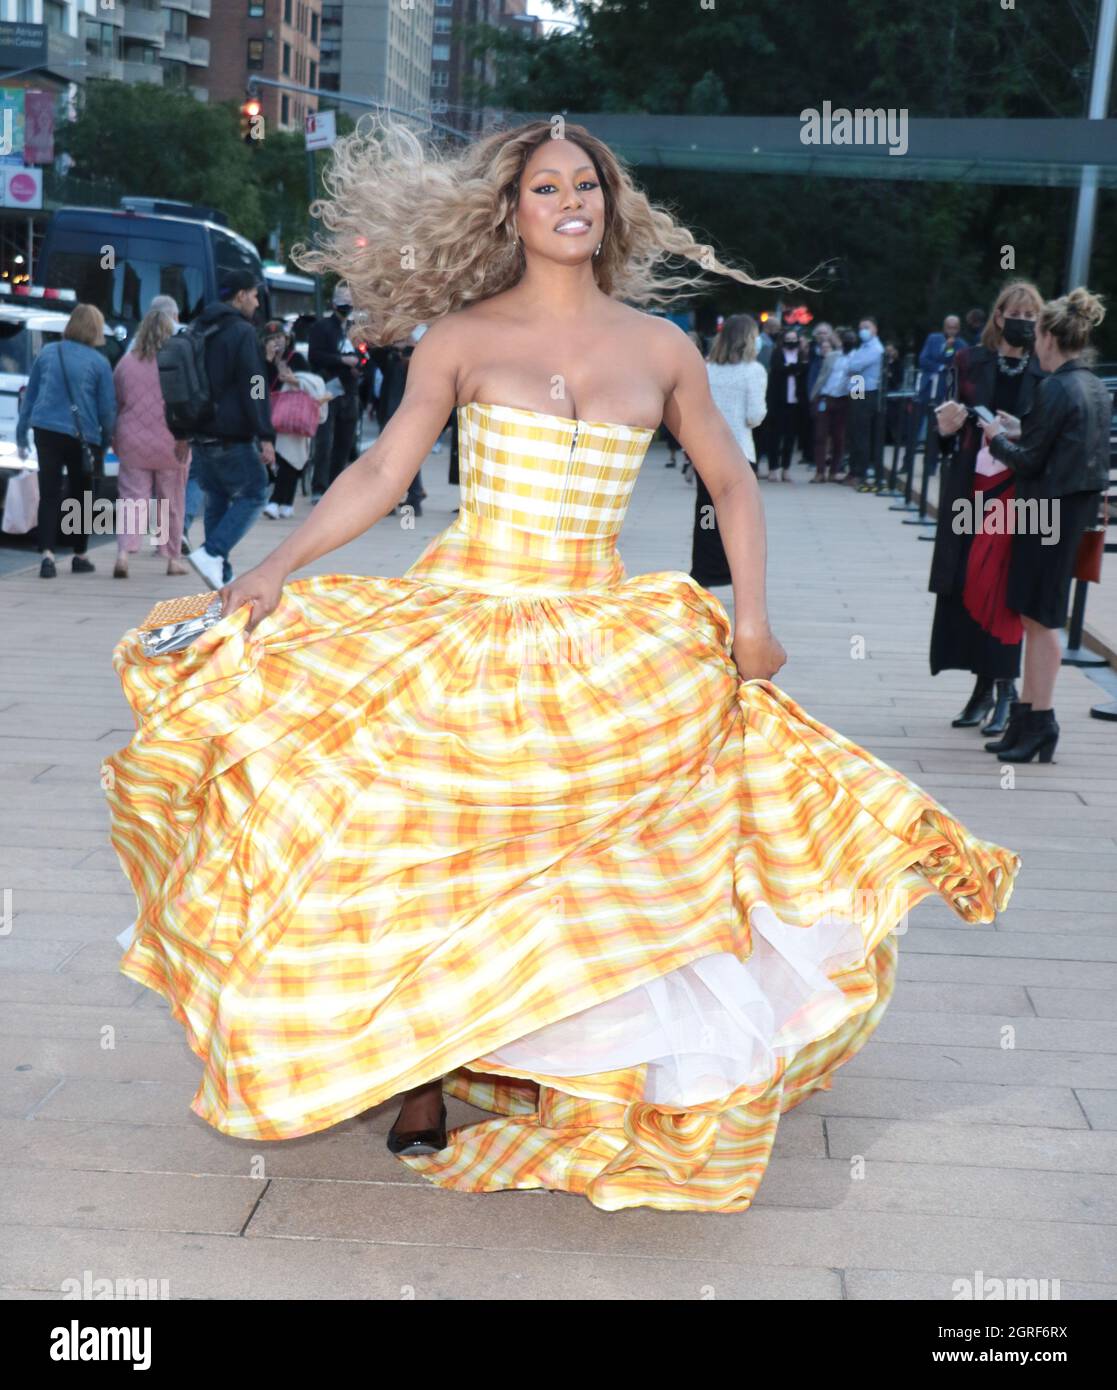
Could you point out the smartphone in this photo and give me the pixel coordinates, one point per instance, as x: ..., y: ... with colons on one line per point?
x: 985, y: 415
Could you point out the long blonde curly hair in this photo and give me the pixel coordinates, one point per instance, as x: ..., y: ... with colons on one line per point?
x: 417, y: 232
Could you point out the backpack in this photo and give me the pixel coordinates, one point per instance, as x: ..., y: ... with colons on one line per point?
x: 188, y: 404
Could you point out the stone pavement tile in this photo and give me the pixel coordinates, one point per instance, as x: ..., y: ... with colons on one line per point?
x: 94, y: 957
x: 920, y: 996
x: 25, y: 986
x: 958, y: 1102
x: 41, y: 857
x: 893, y: 1284
x: 989, y: 1030
x: 1007, y: 1066
x: 61, y: 927
x: 134, y: 1102
x: 13, y: 773
x: 123, y: 1201
x: 122, y: 904
x: 15, y: 833
x: 20, y: 951
x: 21, y: 1092
x: 1086, y: 976
x: 1073, y: 1003
x: 84, y: 1022
x: 1080, y: 923
x: 1100, y: 1108
x: 354, y: 1153
x: 206, y: 1266
x: 1053, y: 945
x: 137, y: 1059
x: 872, y: 1185
x: 1035, y: 1147
x: 78, y: 881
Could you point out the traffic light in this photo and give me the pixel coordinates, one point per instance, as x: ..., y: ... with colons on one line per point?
x: 251, y: 121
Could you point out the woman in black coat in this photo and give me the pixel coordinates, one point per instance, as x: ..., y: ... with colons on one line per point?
x: 972, y: 631
x: 1061, y: 462
x: 787, y: 401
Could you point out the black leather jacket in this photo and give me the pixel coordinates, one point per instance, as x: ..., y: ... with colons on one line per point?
x: 1064, y: 438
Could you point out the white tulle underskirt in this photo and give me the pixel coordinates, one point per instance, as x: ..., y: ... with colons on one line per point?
x: 712, y: 1026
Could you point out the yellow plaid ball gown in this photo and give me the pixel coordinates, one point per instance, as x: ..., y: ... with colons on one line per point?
x: 514, y: 819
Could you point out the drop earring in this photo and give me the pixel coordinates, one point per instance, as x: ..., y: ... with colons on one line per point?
x: 600, y: 244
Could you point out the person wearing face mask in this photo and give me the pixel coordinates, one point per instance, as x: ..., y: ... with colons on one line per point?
x: 332, y: 358
x: 974, y: 629
x: 830, y: 404
x: 866, y: 413
x: 787, y: 402
x: 1059, y: 457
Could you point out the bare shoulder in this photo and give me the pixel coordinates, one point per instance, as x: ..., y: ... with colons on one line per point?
x: 456, y: 335
x: 671, y: 343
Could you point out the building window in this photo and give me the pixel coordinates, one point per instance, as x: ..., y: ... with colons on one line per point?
x: 255, y: 9
x: 313, y: 28
x: 176, y: 24
x: 313, y: 74
x: 440, y: 52
x: 443, y: 24
x: 285, y: 108
x: 444, y: 4
x: 54, y: 15
x: 287, y: 11
x: 25, y: 12
x: 100, y: 39
x: 287, y: 60
x: 255, y: 55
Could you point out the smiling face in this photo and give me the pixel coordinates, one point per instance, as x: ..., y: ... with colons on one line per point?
x: 561, y: 210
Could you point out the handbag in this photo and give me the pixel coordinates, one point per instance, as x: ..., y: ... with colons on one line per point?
x: 294, y: 412
x: 92, y: 460
x: 1087, y: 563
x: 21, y: 503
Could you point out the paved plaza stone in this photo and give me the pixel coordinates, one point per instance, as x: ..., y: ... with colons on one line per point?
x: 977, y: 1131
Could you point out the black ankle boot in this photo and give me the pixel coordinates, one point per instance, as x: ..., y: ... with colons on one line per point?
x: 1015, y: 727
x: 977, y: 706
x: 1040, y: 735
x: 1005, y: 694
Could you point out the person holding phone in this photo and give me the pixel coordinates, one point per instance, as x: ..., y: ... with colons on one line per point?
x: 1060, y: 457
x: 973, y: 628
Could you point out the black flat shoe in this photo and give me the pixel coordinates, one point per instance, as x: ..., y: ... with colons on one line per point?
x: 419, y: 1141
x: 977, y: 707
x: 80, y: 565
x: 47, y: 569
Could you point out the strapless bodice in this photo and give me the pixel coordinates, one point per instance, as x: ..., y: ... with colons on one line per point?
x: 543, y: 499
x: 547, y: 472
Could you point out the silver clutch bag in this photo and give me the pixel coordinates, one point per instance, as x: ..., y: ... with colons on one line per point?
x: 174, y: 623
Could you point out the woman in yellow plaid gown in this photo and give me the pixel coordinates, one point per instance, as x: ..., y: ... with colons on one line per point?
x: 517, y: 827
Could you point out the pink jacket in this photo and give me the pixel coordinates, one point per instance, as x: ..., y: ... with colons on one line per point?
x: 141, y: 438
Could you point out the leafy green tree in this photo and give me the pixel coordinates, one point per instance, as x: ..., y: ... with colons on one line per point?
x: 166, y: 144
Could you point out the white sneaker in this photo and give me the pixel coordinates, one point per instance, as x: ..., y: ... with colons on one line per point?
x: 272, y: 510
x: 208, y: 566
x: 286, y: 511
